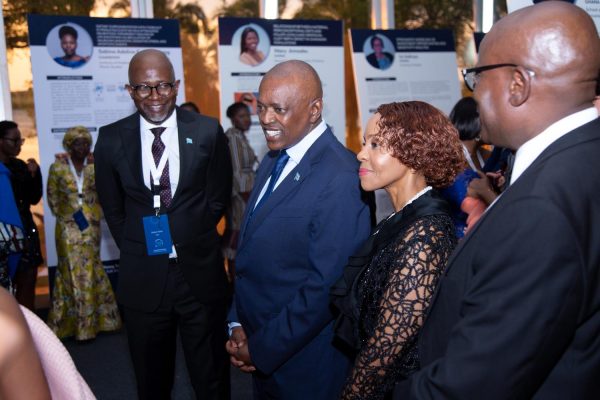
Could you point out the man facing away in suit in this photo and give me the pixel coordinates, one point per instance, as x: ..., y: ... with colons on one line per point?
x: 166, y: 172
x: 517, y: 312
x: 304, y: 219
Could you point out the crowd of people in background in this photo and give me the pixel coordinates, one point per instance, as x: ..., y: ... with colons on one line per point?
x: 483, y: 282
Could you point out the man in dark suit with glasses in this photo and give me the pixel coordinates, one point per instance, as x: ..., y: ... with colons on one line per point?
x: 163, y: 177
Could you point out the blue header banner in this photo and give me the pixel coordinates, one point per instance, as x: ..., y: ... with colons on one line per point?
x: 404, y: 40
x: 108, y: 32
x: 289, y: 33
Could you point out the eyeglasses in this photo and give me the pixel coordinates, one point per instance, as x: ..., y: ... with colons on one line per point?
x: 15, y: 140
x: 162, y: 89
x: 471, y: 75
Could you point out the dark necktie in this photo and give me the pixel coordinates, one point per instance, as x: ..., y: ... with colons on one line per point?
x: 275, y: 174
x: 158, y: 148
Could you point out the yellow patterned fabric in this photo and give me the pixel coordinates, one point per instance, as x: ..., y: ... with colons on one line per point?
x: 83, y: 302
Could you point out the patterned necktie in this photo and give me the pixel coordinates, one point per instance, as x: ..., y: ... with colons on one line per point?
x: 275, y: 174
x: 158, y: 148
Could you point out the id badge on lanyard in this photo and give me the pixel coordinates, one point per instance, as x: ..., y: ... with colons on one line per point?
x: 156, y: 227
x: 78, y: 216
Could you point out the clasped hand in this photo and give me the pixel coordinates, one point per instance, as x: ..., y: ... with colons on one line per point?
x: 237, y: 347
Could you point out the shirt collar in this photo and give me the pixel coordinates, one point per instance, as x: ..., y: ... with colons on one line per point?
x: 170, y: 122
x: 297, y: 151
x: 530, y: 150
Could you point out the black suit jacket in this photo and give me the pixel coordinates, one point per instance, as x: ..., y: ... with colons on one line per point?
x: 202, y: 195
x: 517, y: 313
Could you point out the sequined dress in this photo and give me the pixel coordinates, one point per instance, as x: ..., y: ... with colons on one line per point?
x: 393, y: 295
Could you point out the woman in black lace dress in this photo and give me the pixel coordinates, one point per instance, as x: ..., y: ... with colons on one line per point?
x: 409, y: 148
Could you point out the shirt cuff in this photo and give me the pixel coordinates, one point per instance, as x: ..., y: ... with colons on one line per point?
x: 232, y: 325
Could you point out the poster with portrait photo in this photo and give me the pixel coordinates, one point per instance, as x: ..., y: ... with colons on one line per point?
x: 69, y: 45
x: 253, y: 42
x: 592, y: 7
x: 379, y: 51
x: 249, y: 47
x: 88, y: 90
x: 403, y: 65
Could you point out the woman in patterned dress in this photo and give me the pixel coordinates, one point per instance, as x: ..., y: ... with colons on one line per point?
x: 83, y: 302
x: 243, y: 160
x: 409, y: 148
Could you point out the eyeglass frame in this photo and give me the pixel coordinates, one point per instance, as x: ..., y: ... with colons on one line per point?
x: 21, y: 141
x: 136, y: 89
x: 477, y: 70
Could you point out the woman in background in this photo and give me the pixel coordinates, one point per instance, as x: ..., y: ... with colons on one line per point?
x: 83, y: 302
x: 249, y: 52
x: 409, y: 148
x: 26, y: 183
x: 243, y: 160
x: 465, y: 118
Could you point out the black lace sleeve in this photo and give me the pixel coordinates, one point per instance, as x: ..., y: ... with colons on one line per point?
x: 397, y: 290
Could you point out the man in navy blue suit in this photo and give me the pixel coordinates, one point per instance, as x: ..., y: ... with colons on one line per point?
x: 304, y: 218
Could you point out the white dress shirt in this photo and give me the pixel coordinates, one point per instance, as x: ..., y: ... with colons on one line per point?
x: 170, y: 138
x: 296, y: 152
x: 530, y: 150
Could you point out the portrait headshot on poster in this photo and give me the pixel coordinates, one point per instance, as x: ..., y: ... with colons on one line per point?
x: 69, y: 45
x: 253, y: 42
x: 379, y: 51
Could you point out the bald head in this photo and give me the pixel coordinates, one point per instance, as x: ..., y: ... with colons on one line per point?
x: 145, y: 59
x: 556, y: 50
x: 300, y: 73
x: 290, y: 103
x: 554, y: 38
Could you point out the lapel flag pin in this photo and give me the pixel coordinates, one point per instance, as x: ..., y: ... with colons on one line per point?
x: 188, y: 140
x: 297, y: 177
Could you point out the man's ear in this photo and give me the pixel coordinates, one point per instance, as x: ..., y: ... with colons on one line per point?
x: 520, y: 86
x: 316, y: 109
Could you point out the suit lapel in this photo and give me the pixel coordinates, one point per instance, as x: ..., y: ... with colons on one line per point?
x: 262, y: 175
x: 130, y: 137
x: 185, y: 133
x: 289, y: 184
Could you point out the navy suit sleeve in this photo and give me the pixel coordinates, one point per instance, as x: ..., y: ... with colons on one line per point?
x: 108, y: 185
x: 340, y: 222
x: 518, y: 313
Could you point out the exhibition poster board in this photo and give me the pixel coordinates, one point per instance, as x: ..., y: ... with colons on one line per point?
x: 90, y: 92
x: 319, y: 43
x: 415, y: 64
